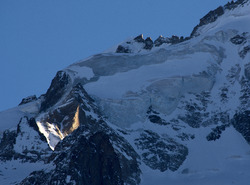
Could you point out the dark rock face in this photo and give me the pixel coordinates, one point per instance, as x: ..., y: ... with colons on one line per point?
x: 238, y: 39
x: 161, y: 153
x: 233, y: 4
x: 193, y: 115
x: 32, y: 124
x: 161, y: 40
x: 154, y: 117
x: 122, y: 49
x: 247, y: 71
x: 148, y: 43
x: 28, y: 99
x: 88, y: 156
x: 56, y: 90
x: 241, y: 123
x: 213, y: 15
x: 245, y: 93
x: 129, y: 166
x: 139, y: 38
x: 209, y: 18
x: 92, y: 153
x: 87, y: 161
x: 195, y: 110
x: 244, y: 52
x: 7, y: 145
x: 75, y: 106
x: 216, y: 132
x: 14, y: 144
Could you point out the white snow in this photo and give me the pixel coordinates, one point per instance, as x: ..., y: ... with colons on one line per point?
x: 11, y: 117
x: 116, y: 86
x: 14, y: 171
x: 28, y: 139
x: 81, y: 72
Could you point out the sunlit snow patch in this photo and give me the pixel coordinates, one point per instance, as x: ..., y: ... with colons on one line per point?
x: 51, y: 132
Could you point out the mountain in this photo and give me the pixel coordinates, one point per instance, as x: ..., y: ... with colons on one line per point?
x: 171, y: 111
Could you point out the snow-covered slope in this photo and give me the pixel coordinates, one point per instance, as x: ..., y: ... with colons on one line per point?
x: 173, y: 111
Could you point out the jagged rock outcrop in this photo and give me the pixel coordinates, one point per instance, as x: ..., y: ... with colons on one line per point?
x: 7, y: 145
x: 25, y: 143
x: 56, y: 90
x: 122, y: 49
x: 241, y: 123
x: 238, y: 39
x: 86, y: 161
x: 161, y: 40
x: 213, y: 15
x: 139, y: 38
x: 28, y: 99
x: 148, y: 43
x: 209, y: 18
x: 160, y: 153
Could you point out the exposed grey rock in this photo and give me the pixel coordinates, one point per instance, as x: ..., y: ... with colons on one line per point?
x: 148, y: 43
x: 154, y: 117
x: 139, y: 38
x: 160, y: 153
x: 64, y: 116
x: 161, y: 40
x: 233, y: 4
x: 56, y: 90
x: 238, y: 39
x: 245, y: 93
x: 241, y: 123
x: 14, y: 143
x: 186, y: 137
x: 86, y: 161
x: 28, y: 99
x: 247, y: 71
x: 208, y: 18
x: 216, y: 132
x: 122, y: 49
x: 7, y: 145
x: 92, y: 153
x: 244, y: 52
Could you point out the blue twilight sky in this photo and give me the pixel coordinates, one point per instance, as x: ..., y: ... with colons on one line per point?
x: 40, y: 37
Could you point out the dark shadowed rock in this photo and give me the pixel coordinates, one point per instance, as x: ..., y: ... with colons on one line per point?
x: 122, y: 49
x: 241, y: 123
x: 238, y: 39
x: 234, y: 4
x: 208, y: 18
x: 244, y: 52
x: 14, y: 143
x: 148, y: 43
x: 160, y: 153
x: 56, y: 90
x: 161, y: 40
x: 139, y: 38
x: 28, y: 99
x: 216, y: 132
x: 86, y: 160
x: 154, y: 117
x: 7, y: 145
x: 247, y: 71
